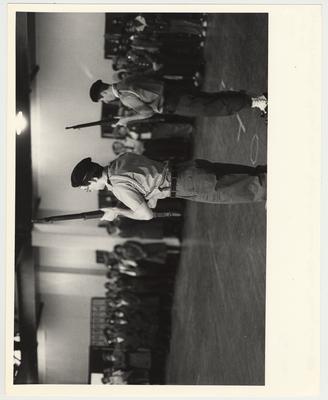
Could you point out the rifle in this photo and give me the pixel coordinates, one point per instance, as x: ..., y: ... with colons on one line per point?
x: 93, y: 215
x: 108, y: 122
x: 102, y: 122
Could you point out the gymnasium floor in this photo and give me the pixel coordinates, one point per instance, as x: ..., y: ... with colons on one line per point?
x: 218, y: 316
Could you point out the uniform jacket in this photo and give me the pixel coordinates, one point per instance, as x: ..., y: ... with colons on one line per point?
x: 146, y: 89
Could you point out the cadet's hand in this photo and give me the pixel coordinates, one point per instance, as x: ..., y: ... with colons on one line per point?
x: 120, y: 122
x: 110, y: 214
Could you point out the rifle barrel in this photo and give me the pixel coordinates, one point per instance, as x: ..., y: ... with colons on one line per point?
x: 95, y: 214
x: 166, y: 214
x: 94, y: 123
x: 67, y: 217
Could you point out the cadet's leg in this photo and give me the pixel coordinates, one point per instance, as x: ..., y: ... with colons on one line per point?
x: 206, y: 182
x: 212, y: 104
x: 218, y: 104
x: 220, y: 169
x: 172, y: 131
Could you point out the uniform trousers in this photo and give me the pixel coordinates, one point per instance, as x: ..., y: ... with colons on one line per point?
x: 194, y: 103
x: 207, y: 182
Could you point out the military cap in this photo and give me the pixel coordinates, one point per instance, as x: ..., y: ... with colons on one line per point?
x: 96, y: 89
x: 82, y: 172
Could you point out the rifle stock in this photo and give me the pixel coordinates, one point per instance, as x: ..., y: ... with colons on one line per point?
x: 69, y: 217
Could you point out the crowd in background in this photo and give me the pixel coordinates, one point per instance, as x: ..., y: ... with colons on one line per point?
x: 140, y: 276
x: 139, y: 288
x: 169, y: 46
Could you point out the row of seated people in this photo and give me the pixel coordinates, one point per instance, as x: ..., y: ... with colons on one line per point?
x: 138, y: 259
x: 139, y: 276
x: 169, y: 45
x: 139, y: 288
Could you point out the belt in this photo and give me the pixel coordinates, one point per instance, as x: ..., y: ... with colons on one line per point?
x: 174, y: 179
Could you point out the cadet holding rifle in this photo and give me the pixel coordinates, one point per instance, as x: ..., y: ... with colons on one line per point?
x: 148, y: 96
x: 95, y: 215
x: 102, y: 122
x: 139, y: 182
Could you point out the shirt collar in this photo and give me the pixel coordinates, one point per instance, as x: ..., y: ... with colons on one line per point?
x: 109, y: 184
x: 115, y: 91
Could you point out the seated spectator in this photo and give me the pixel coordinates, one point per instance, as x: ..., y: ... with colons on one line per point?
x: 160, y: 149
x: 146, y: 130
x: 127, y: 146
x: 118, y: 377
x: 109, y: 258
x: 154, y: 252
x: 116, y: 358
x: 156, y: 228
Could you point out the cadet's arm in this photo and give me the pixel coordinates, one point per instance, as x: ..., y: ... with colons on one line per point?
x: 144, y: 115
x: 143, y: 212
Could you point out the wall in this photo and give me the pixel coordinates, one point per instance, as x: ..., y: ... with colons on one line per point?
x: 65, y: 324
x: 70, y: 54
x: 66, y: 327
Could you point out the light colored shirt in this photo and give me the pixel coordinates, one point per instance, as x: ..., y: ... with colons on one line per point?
x: 122, y: 303
x: 144, y: 95
x: 142, y: 22
x: 142, y: 135
x: 132, y: 99
x: 115, y: 92
x: 127, y: 271
x: 129, y: 263
x: 135, y: 179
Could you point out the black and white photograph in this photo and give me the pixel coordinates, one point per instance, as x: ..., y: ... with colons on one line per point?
x: 154, y: 272
x: 141, y: 198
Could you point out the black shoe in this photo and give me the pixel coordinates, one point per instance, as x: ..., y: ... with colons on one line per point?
x: 264, y: 115
x: 261, y: 169
x: 261, y: 177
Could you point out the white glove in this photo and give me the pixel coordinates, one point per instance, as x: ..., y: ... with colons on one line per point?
x: 110, y: 214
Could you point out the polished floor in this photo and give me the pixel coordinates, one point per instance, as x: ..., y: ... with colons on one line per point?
x: 218, y: 316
